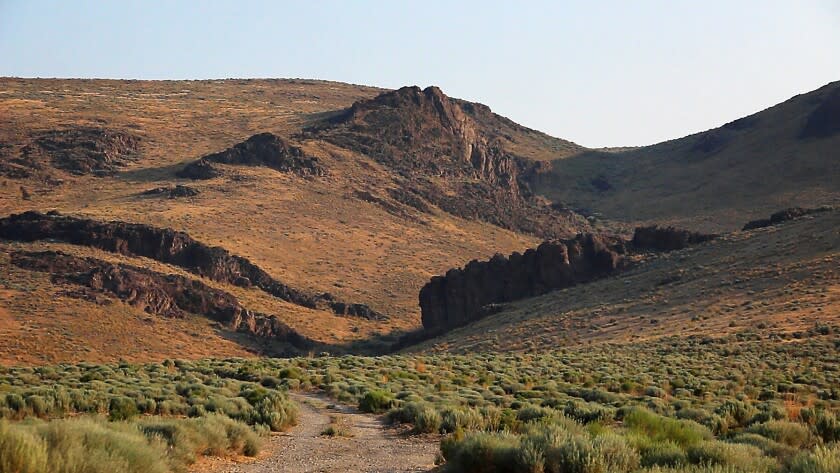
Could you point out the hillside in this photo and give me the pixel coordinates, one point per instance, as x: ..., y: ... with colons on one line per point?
x: 305, y: 216
x: 776, y: 282
x: 716, y: 180
x: 318, y: 215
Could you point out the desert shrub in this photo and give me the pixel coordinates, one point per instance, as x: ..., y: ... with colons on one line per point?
x: 768, y: 446
x: 616, y: 455
x: 788, y: 433
x: 659, y: 428
x: 21, y: 451
x: 481, y: 452
x: 827, y: 426
x: 529, y: 458
x: 85, y: 445
x: 455, y: 418
x: 743, y: 457
x: 428, y: 420
x: 663, y: 453
x: 821, y: 460
x: 376, y: 401
x: 122, y: 408
x: 575, y: 455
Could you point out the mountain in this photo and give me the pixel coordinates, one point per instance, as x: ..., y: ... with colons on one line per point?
x: 152, y: 219
x: 271, y: 182
x: 787, y: 155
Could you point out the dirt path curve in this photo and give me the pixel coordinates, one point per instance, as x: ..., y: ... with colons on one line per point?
x: 373, y: 447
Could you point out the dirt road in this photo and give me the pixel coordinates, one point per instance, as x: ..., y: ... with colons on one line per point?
x: 372, y: 447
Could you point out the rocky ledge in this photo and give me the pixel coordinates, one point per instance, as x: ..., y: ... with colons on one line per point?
x: 467, y: 294
x: 783, y: 216
x: 168, y: 295
x: 171, y: 247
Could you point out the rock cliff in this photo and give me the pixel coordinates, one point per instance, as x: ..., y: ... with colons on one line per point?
x: 470, y: 293
x: 168, y: 246
x: 454, y: 154
x: 168, y: 295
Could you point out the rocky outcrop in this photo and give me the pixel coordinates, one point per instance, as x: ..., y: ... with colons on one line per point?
x: 168, y: 246
x: 168, y: 295
x: 783, y: 216
x: 467, y: 294
x: 454, y: 154
x: 78, y: 150
x: 473, y: 292
x: 667, y: 238
x: 264, y: 149
x: 172, y: 192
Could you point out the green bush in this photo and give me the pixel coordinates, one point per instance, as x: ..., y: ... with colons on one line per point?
x: 740, y: 456
x: 659, y: 428
x: 376, y: 401
x: 122, y: 408
x: 21, y: 451
x: 788, y: 433
x: 821, y: 460
x: 663, y: 453
x: 481, y: 452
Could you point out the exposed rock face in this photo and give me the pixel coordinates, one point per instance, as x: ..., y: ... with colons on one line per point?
x: 783, y: 216
x: 474, y: 292
x: 667, y: 238
x: 452, y: 154
x: 465, y: 295
x: 264, y: 149
x: 168, y: 246
x: 172, y: 192
x: 168, y: 295
x: 824, y: 121
x: 78, y: 150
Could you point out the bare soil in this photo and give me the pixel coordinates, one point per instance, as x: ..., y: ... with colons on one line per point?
x: 373, y: 446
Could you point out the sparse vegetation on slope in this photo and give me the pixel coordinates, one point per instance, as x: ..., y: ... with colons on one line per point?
x: 160, y: 417
x: 741, y: 403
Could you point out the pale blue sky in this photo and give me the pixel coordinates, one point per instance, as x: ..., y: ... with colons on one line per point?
x: 599, y: 73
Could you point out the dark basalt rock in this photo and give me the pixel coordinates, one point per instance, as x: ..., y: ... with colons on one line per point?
x: 449, y: 153
x: 783, y: 216
x: 667, y: 238
x: 167, y: 246
x: 78, y: 150
x: 475, y: 291
x: 470, y: 293
x: 168, y: 295
x: 81, y: 150
x: 264, y: 149
x: 172, y: 192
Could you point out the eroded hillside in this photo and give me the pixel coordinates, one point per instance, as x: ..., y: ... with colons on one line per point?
x: 775, y: 281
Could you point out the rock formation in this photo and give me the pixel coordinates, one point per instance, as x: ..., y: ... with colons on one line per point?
x: 450, y: 153
x: 168, y: 246
x: 467, y: 294
x: 783, y: 216
x: 264, y: 149
x: 172, y: 192
x: 667, y: 238
x: 168, y: 295
x: 462, y: 295
x: 78, y: 150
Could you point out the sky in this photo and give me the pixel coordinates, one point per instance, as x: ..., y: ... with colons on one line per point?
x: 603, y: 73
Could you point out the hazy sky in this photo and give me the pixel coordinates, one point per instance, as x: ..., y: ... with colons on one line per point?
x: 598, y: 73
